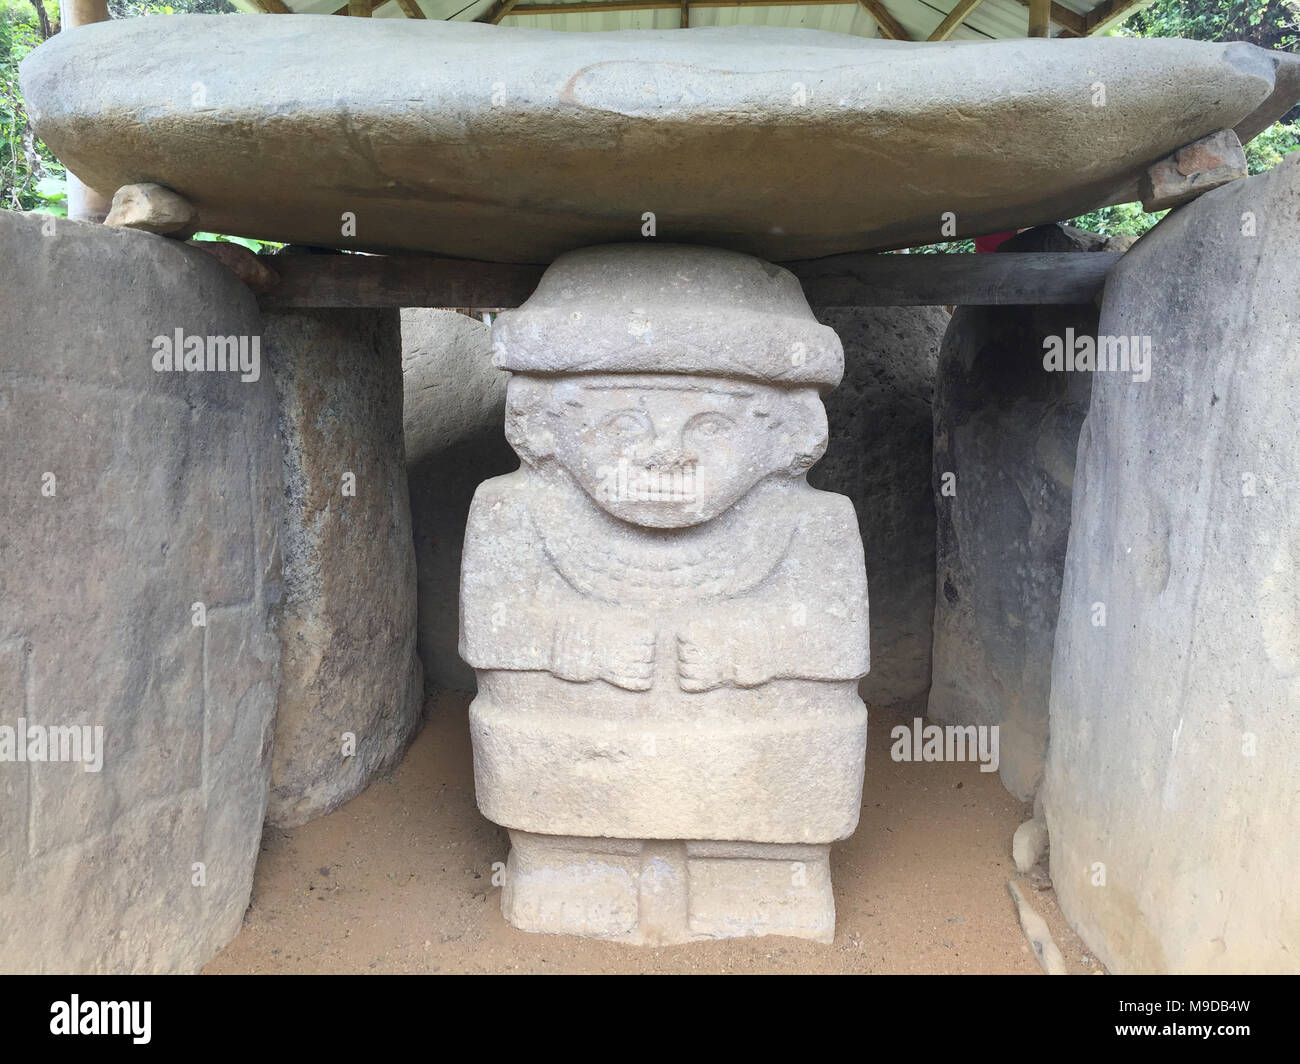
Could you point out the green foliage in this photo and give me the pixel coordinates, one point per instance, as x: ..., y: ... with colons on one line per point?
x: 1268, y: 23
x: 30, y: 176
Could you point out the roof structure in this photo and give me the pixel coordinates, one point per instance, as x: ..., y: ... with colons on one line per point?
x: 905, y: 20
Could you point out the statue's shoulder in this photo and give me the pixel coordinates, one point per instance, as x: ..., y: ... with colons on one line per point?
x: 824, y: 512
x: 505, y: 498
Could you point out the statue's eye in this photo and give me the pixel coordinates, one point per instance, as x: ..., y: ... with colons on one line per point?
x: 709, y: 426
x: 626, y: 423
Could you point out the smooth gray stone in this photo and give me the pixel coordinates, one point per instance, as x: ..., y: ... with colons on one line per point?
x: 166, y: 492
x: 1172, y: 789
x: 516, y: 145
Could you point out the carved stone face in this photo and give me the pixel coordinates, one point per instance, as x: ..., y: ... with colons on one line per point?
x: 666, y: 451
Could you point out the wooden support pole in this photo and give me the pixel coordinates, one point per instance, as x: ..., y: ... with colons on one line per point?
x: 858, y: 279
x: 1109, y: 14
x: 1040, y: 18
x: 955, y: 18
x: 685, y: 22
x: 410, y: 9
x: 84, y: 203
x: 1072, y: 25
x: 360, y: 8
x: 889, y: 26
x: 497, y: 11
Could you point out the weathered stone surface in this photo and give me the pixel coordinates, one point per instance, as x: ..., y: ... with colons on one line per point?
x: 668, y: 624
x: 652, y: 893
x: 511, y: 144
x: 131, y: 495
x: 1005, y: 432
x: 1029, y: 843
x: 879, y: 455
x: 1174, y: 766
x: 454, y: 406
x: 348, y: 624
x: 152, y: 209
x: 1193, y: 170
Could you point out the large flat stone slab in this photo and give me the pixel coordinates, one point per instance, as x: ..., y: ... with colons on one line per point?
x: 516, y: 145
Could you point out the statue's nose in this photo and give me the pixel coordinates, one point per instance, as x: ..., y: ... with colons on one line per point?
x: 670, y: 455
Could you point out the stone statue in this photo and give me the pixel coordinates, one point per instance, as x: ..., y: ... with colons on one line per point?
x: 667, y: 623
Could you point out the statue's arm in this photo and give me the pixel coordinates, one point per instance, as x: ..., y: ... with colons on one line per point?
x: 516, y: 614
x: 808, y: 620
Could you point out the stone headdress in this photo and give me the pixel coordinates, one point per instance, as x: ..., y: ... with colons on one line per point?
x: 669, y: 308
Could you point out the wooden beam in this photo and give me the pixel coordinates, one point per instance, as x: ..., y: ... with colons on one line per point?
x: 1040, y: 18
x: 360, y: 8
x: 855, y: 280
x: 85, y: 204
x: 1072, y: 25
x: 1013, y: 279
x: 954, y: 19
x: 497, y: 11
x: 272, y: 7
x: 411, y: 9
x: 572, y: 8
x: 1108, y: 14
x: 684, y: 21
x: 890, y: 27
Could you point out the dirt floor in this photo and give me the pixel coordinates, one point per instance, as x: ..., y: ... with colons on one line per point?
x: 399, y: 880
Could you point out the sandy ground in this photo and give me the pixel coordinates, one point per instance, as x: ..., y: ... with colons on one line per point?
x: 399, y: 880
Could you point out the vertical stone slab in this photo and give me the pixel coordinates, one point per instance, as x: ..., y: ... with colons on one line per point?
x: 454, y: 406
x: 879, y: 455
x: 1005, y: 432
x: 1173, y: 777
x: 139, y: 534
x: 351, y: 693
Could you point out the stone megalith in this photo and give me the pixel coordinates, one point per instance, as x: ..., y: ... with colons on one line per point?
x: 1172, y: 790
x: 1005, y: 432
x: 453, y: 410
x: 879, y: 455
x: 141, y: 566
x: 352, y: 691
x: 583, y: 133
x: 668, y: 624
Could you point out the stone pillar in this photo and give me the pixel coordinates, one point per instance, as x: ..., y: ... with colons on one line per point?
x: 1005, y: 431
x: 352, y: 692
x: 454, y: 404
x: 84, y: 203
x: 1172, y: 791
x: 139, y: 536
x: 879, y: 455
x: 668, y: 624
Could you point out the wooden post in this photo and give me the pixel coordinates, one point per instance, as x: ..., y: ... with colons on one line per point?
x: 84, y: 203
x: 360, y: 8
x: 686, y: 15
x: 1040, y: 18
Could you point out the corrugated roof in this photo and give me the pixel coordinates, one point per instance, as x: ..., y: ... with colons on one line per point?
x: 991, y: 19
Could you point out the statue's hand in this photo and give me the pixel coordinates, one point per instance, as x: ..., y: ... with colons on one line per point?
x: 630, y: 658
x: 593, y: 648
x: 573, y: 650
x: 708, y: 659
x: 702, y: 664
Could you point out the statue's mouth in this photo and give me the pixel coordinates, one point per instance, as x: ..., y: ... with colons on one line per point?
x: 675, y: 483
